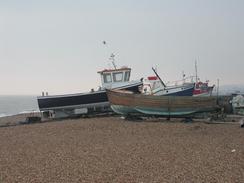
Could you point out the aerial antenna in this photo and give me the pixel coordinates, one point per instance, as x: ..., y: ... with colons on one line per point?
x: 158, y: 77
x: 183, y: 76
x: 113, y: 60
x: 111, y: 57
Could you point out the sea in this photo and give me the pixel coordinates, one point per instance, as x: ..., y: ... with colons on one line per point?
x: 12, y: 105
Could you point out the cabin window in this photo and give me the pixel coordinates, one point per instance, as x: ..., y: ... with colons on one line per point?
x: 107, y: 78
x: 204, y: 87
x: 127, y: 76
x: 117, y: 77
x: 156, y: 84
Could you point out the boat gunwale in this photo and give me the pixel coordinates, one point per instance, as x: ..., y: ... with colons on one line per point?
x: 85, y: 93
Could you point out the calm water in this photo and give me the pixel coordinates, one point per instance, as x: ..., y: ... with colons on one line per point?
x: 10, y: 105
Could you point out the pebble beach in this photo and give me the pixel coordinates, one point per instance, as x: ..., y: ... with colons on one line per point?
x: 110, y: 149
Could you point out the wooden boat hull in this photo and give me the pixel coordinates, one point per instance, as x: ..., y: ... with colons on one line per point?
x: 127, y: 103
x: 123, y: 110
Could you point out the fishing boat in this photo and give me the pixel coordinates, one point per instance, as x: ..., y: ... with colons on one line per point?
x: 154, y: 85
x: 128, y: 103
x: 60, y: 106
x: 202, y: 89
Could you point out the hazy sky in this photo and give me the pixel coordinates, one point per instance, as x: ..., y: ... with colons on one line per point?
x: 56, y: 45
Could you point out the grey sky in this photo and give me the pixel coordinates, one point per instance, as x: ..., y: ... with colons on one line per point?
x: 56, y: 46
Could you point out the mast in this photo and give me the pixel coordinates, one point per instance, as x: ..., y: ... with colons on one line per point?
x: 217, y: 87
x: 196, y: 70
x: 158, y: 77
x: 217, y: 91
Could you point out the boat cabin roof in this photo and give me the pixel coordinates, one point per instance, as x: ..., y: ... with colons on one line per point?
x: 150, y: 78
x: 114, y: 70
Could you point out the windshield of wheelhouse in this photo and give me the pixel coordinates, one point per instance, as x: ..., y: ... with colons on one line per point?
x: 118, y: 77
x: 127, y: 76
x: 107, y: 78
